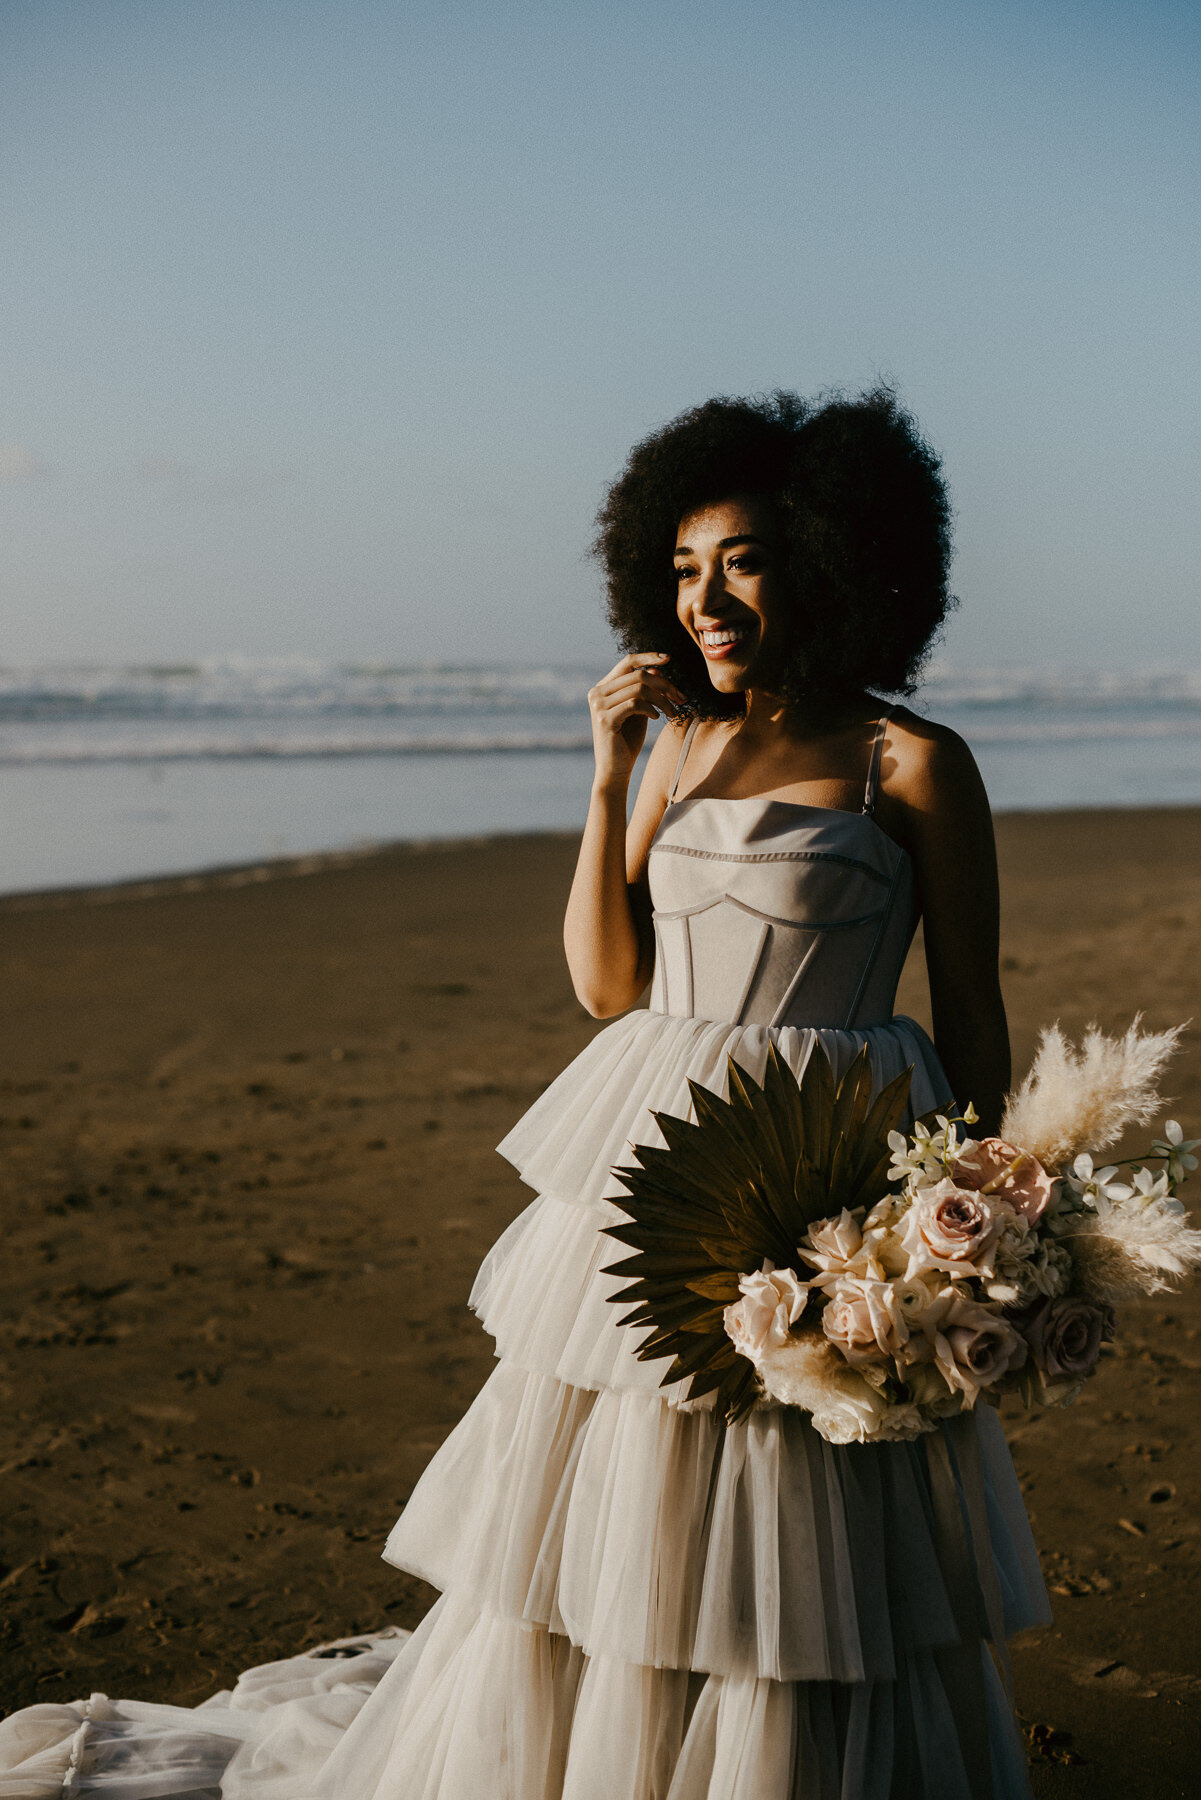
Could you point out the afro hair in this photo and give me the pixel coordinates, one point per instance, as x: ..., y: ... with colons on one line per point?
x: 865, y: 524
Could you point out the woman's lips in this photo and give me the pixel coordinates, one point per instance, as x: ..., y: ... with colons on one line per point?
x: 722, y: 643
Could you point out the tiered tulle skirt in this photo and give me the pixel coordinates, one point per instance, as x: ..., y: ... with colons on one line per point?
x: 639, y: 1603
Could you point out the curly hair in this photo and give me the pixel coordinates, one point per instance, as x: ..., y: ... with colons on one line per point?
x: 865, y: 524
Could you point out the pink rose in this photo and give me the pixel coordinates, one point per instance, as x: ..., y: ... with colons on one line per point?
x: 1065, y: 1336
x: 772, y: 1301
x: 976, y: 1348
x: 871, y: 1320
x: 847, y: 1322
x: 952, y: 1229
x: 1027, y: 1188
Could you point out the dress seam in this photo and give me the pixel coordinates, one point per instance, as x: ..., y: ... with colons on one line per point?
x: 869, y: 965
x: 774, y: 856
x: 814, y: 925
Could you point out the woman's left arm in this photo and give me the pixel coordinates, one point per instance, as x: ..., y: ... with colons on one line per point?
x: 942, y: 812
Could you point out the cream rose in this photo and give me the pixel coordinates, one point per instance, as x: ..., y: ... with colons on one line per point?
x: 808, y: 1372
x: 848, y: 1323
x: 870, y: 1319
x: 851, y: 1412
x: 840, y: 1247
x: 772, y: 1302
x: 953, y: 1230
x: 1027, y: 1188
x: 903, y: 1422
x: 835, y: 1247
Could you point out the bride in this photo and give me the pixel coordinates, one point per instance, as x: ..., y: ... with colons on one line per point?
x: 640, y: 1602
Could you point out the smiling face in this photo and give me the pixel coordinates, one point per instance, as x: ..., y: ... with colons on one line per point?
x: 732, y: 598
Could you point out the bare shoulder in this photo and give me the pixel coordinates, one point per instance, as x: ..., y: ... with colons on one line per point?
x: 665, y: 753
x: 928, y: 766
x: 657, y: 772
x: 651, y: 803
x: 667, y: 748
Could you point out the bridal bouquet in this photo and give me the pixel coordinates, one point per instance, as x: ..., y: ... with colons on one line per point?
x: 793, y: 1246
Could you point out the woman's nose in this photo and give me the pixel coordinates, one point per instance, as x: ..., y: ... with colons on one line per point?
x: 713, y: 587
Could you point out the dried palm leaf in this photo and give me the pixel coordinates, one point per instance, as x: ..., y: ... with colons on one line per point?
x: 739, y: 1185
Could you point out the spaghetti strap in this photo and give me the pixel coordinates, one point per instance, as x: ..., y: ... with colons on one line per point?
x: 681, y: 760
x: 873, y: 767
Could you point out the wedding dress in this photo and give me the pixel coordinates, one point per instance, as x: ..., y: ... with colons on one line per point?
x: 639, y: 1603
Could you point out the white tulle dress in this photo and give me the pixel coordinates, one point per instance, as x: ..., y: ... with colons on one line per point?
x: 639, y: 1603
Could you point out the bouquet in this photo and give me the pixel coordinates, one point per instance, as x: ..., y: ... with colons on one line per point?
x: 792, y: 1246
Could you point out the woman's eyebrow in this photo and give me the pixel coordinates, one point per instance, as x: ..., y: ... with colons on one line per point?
x: 723, y: 544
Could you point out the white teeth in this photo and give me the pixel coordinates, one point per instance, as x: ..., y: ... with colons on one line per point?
x: 714, y: 638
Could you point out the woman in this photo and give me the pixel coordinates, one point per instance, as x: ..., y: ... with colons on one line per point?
x: 639, y: 1602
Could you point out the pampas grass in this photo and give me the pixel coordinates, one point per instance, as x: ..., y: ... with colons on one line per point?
x: 804, y: 1371
x: 1131, y: 1250
x: 1084, y: 1099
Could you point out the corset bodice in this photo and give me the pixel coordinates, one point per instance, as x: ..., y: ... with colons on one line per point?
x: 771, y: 913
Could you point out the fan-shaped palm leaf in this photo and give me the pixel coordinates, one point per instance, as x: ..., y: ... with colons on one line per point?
x: 740, y: 1184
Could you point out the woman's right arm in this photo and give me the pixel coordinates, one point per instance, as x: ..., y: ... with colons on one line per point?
x: 607, y: 930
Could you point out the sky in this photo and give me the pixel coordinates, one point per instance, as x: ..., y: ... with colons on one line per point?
x: 325, y: 325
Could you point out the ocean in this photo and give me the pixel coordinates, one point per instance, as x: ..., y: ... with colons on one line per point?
x: 112, y: 774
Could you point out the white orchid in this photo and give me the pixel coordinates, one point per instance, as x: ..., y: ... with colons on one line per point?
x: 1097, y: 1186
x: 927, y: 1155
x: 1177, y: 1151
x: 910, y: 1156
x: 1153, y: 1190
x: 949, y: 1142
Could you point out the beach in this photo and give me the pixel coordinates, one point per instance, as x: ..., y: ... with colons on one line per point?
x: 248, y: 1124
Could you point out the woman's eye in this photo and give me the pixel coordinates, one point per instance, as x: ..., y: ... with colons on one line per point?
x: 683, y: 571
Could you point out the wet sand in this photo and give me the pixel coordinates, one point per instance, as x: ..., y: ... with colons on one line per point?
x: 247, y: 1127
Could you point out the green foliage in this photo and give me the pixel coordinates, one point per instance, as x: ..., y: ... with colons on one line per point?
x: 740, y: 1185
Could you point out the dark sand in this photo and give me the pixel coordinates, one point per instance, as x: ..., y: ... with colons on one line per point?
x: 248, y: 1172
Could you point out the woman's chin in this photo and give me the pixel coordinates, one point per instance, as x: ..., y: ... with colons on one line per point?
x: 727, y: 678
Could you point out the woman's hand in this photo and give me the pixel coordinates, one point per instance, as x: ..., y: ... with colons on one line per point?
x: 634, y: 691
x: 607, y: 933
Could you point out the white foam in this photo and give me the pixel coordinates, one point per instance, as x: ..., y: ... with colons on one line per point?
x: 167, y: 747
x: 240, y: 708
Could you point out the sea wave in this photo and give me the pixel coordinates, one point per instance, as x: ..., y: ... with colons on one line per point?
x: 233, y: 708
x: 219, y: 749
x: 267, y: 688
x: 36, y: 749
x: 235, y: 687
x: 1011, y: 685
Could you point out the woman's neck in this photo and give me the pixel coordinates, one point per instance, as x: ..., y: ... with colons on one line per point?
x: 769, y: 717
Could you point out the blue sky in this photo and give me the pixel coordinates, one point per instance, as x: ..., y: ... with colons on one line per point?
x: 325, y: 324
